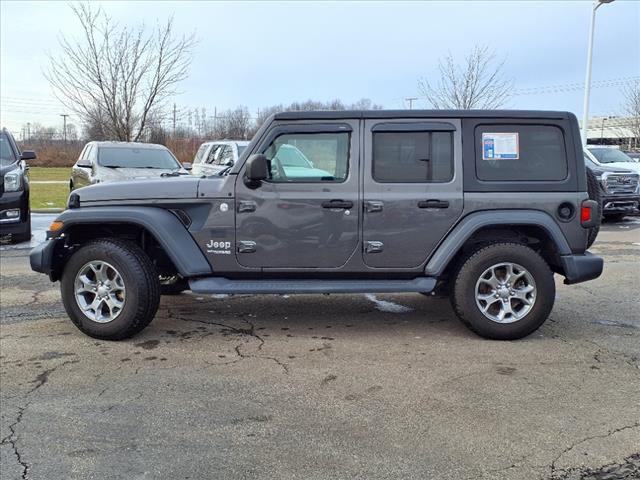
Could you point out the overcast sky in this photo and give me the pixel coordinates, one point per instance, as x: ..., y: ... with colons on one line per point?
x: 263, y: 53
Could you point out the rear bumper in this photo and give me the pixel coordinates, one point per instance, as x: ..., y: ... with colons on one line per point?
x: 581, y: 268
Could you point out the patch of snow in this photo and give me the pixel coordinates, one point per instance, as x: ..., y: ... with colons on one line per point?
x: 220, y: 295
x: 385, y: 306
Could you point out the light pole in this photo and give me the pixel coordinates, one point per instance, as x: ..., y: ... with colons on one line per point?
x: 587, y: 82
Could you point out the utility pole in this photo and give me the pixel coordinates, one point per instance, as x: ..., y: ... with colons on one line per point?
x: 28, y: 132
x: 174, y: 120
x: 64, y: 126
x: 411, y: 100
x: 587, y: 82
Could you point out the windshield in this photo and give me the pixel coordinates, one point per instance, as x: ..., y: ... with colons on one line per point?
x: 137, y: 158
x: 241, y: 148
x: 610, y: 155
x: 6, y: 152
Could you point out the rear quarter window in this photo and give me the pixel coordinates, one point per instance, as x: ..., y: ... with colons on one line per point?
x: 539, y: 153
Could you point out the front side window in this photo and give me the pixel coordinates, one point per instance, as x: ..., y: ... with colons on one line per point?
x: 520, y: 153
x: 137, y: 158
x: 309, y: 157
x: 412, y: 157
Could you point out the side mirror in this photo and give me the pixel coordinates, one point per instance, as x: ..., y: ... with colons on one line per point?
x: 84, y: 164
x: 229, y: 163
x: 28, y: 155
x: 187, y: 166
x: 256, y: 170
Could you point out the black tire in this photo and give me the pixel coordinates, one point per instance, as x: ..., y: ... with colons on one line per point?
x: 21, y: 237
x: 463, y: 296
x: 614, y: 217
x: 593, y: 189
x: 173, y: 285
x: 140, y: 280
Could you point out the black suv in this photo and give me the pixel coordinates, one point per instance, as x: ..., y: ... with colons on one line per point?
x: 15, y: 214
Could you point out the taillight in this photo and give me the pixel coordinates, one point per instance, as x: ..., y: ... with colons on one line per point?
x: 585, y: 214
x: 589, y: 213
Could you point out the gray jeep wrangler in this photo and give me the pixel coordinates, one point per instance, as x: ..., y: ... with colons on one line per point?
x: 483, y: 206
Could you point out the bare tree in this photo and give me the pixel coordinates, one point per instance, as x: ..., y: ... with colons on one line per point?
x: 116, y: 76
x: 478, y: 83
x: 631, y: 108
x: 233, y: 124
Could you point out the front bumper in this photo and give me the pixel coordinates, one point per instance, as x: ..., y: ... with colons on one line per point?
x: 14, y: 201
x: 620, y: 203
x: 44, y: 258
x: 581, y: 268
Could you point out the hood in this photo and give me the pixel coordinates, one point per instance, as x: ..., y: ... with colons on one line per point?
x: 118, y: 174
x: 621, y: 167
x: 163, y: 188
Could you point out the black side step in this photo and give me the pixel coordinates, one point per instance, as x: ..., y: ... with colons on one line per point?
x: 224, y: 285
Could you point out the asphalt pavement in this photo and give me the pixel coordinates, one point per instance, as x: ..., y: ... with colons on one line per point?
x: 323, y: 387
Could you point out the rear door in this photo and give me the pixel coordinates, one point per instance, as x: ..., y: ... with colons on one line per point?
x: 412, y: 189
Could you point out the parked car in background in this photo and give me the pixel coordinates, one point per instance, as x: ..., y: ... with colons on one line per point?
x: 213, y: 157
x: 619, y: 188
x: 116, y: 161
x: 634, y: 155
x: 15, y: 214
x: 613, y: 157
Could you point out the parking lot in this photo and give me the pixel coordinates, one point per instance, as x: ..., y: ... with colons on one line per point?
x: 340, y: 386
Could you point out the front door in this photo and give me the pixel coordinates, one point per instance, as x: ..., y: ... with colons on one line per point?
x: 305, y: 215
x: 412, y: 189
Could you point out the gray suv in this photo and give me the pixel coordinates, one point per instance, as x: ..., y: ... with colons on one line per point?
x: 482, y: 206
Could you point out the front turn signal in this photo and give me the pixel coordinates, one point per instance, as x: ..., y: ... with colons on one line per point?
x: 54, y: 228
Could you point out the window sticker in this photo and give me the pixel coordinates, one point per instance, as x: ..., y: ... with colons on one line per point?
x: 500, y: 146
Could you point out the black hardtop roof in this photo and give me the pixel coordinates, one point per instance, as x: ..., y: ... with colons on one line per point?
x: 338, y: 114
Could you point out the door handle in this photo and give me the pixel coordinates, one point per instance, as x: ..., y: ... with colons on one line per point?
x: 345, y: 205
x: 433, y: 204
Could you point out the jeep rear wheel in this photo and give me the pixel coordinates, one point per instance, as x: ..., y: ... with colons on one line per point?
x: 504, y: 291
x: 110, y: 289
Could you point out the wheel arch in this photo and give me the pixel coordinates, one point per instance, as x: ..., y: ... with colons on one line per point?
x: 530, y: 227
x: 158, y: 231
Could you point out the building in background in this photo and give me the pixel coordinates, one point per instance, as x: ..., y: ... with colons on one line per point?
x: 613, y: 130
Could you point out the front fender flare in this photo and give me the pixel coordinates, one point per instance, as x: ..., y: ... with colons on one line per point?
x: 475, y: 221
x: 165, y: 227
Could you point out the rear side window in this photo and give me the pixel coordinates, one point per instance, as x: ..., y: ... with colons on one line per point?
x: 520, y: 153
x: 412, y: 157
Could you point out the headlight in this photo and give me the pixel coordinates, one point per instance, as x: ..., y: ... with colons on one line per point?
x: 13, y: 181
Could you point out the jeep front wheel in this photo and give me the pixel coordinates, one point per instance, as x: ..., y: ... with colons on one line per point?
x: 110, y: 289
x: 504, y: 291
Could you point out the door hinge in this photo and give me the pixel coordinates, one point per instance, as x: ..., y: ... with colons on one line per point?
x: 246, y: 246
x: 373, y: 247
x: 373, y: 206
x: 246, y: 206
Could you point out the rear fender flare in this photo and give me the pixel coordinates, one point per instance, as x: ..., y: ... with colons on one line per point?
x: 470, y: 224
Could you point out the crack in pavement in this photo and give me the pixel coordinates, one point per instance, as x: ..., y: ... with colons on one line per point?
x: 249, y: 332
x: 12, y: 439
x: 575, y: 444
